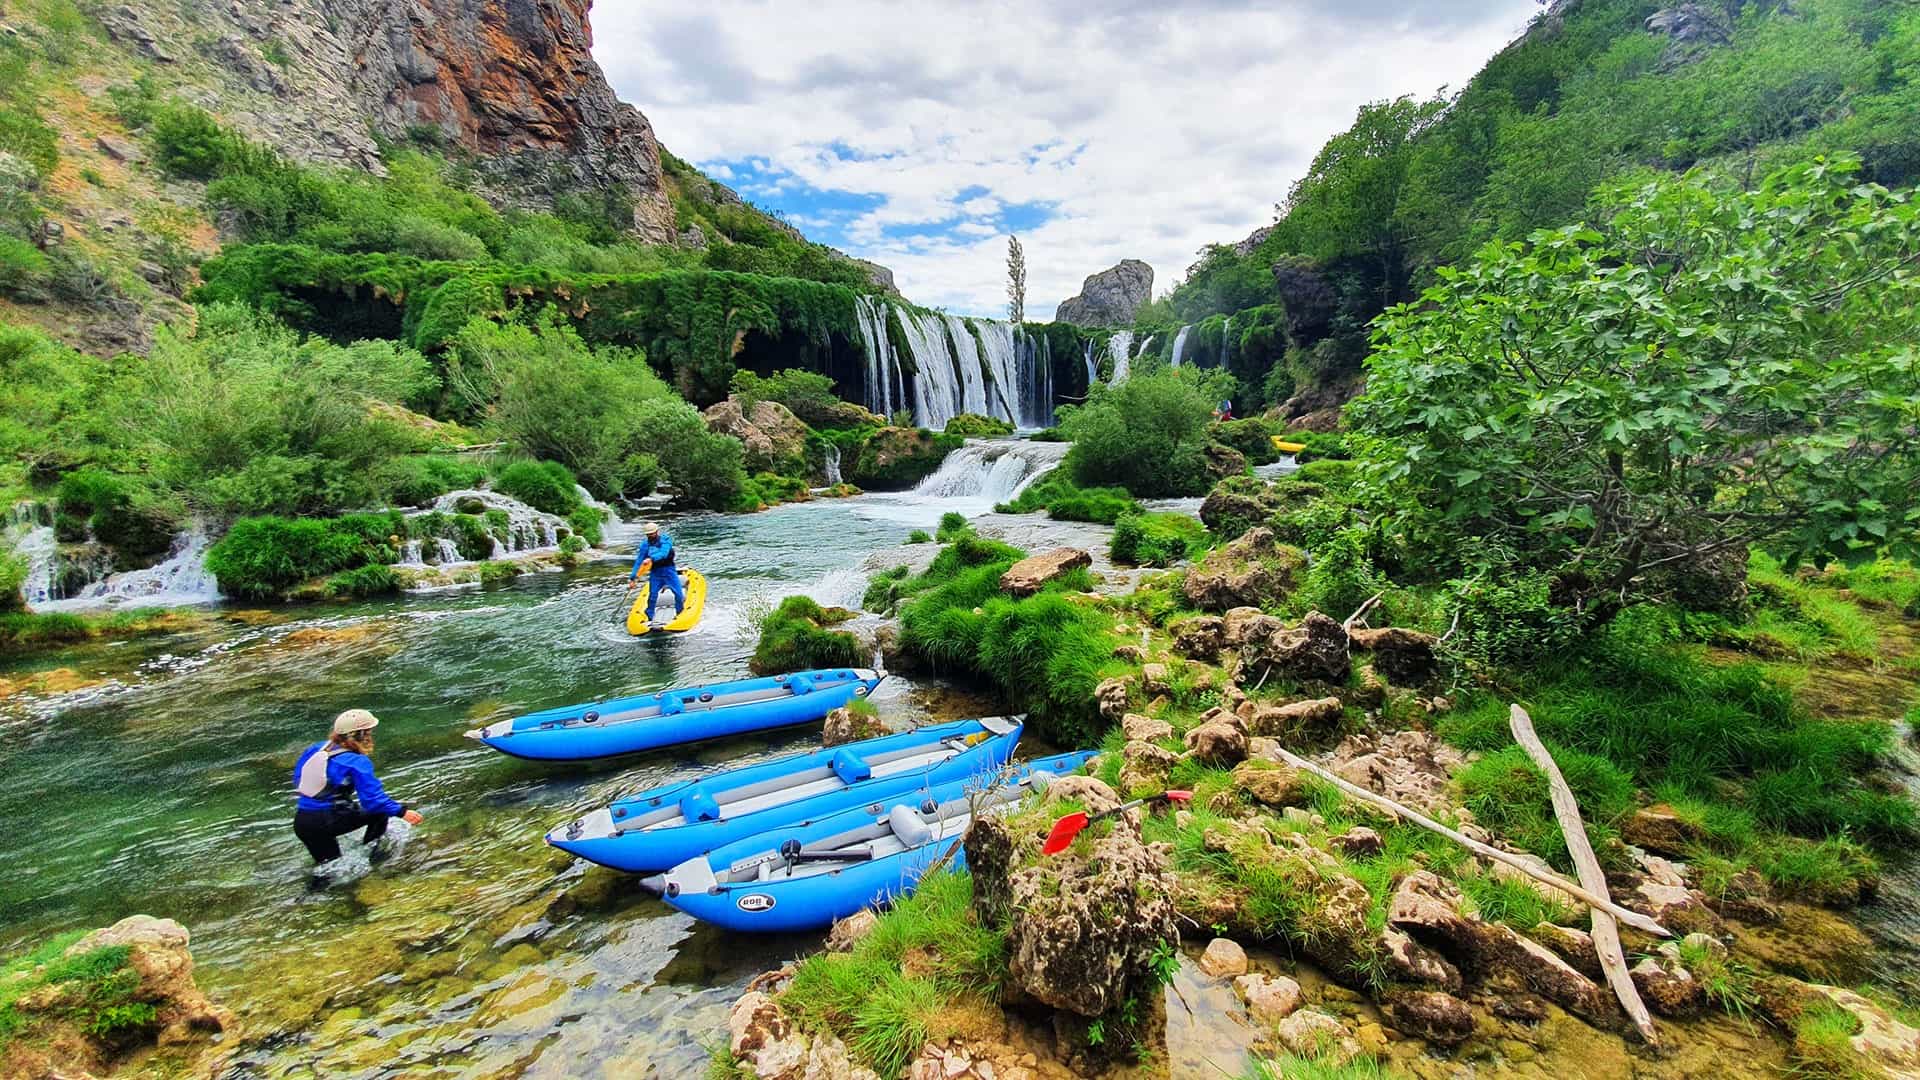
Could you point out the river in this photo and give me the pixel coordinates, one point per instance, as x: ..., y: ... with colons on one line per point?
x: 475, y: 950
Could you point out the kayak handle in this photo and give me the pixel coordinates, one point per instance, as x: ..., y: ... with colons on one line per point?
x: 793, y: 853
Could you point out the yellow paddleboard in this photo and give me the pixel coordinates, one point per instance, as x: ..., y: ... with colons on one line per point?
x: 1286, y: 447
x: 689, y: 616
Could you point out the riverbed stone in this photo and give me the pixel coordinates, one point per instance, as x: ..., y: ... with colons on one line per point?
x: 1296, y: 719
x: 1270, y: 998
x: 845, y: 725
x: 1141, y: 727
x: 1310, y: 1032
x: 1220, y: 743
x: 1224, y: 959
x: 1427, y: 907
x: 1433, y: 1015
x: 1031, y: 574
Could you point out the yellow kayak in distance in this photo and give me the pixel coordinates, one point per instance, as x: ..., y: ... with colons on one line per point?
x: 1286, y: 447
x: 696, y: 586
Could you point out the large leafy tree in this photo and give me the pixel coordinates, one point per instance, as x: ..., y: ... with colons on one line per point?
x: 1701, y: 370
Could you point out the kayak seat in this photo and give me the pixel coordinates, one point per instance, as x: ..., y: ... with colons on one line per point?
x: 850, y: 768
x: 908, y: 826
x: 800, y: 684
x: 699, y: 806
x: 671, y: 705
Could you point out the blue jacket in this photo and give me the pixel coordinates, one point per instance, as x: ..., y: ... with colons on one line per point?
x: 660, y: 551
x: 349, y: 775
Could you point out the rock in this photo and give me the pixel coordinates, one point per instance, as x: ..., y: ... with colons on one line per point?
x: 1146, y: 767
x: 848, y: 932
x: 693, y: 237
x: 896, y: 458
x: 1089, y: 791
x: 1236, y: 623
x: 1297, y: 719
x: 1358, y: 842
x: 1201, y: 638
x: 1154, y: 680
x: 1674, y: 906
x: 1668, y: 988
x: 1082, y: 929
x: 966, y: 1059
x: 1573, y: 946
x: 1410, y: 767
x: 1110, y: 297
x: 1412, y: 964
x: 1219, y: 743
x: 1314, y: 650
x: 117, y: 148
x: 1132, y: 654
x: 843, y: 725
x: 1438, y: 1017
x: 1402, y: 657
x: 1142, y: 728
x: 1270, y: 998
x: 1882, y: 1040
x: 1427, y: 907
x: 1660, y: 830
x: 1271, y: 783
x: 1031, y: 574
x: 769, y: 433
x: 1224, y: 959
x: 727, y: 418
x: 770, y: 1047
x: 1224, y: 461
x: 1251, y: 571
x: 1705, y: 943
x: 1691, y: 30
x: 1311, y: 1032
x: 1111, y: 696
x: 1746, y: 897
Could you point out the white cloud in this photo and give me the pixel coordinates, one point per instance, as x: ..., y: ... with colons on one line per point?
x: 1150, y: 129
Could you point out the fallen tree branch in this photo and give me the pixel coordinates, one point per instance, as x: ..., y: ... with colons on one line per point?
x: 1362, y: 610
x: 1450, y: 629
x: 1631, y: 918
x: 1606, y: 935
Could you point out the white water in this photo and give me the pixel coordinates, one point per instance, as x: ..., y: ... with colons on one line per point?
x: 1093, y: 370
x: 1120, y: 347
x: 832, y: 462
x: 966, y: 360
x: 528, y: 530
x: 1180, y: 344
x: 1000, y: 373
x: 937, y: 390
x: 886, y: 382
x: 182, y: 578
x: 1226, y: 340
x: 990, y: 470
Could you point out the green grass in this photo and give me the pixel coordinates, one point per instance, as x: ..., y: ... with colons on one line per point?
x: 1323, y: 1066
x: 104, y: 1004
x: 1821, y: 1047
x: 1159, y: 539
x: 1063, y: 500
x: 795, y: 637
x: 1507, y: 793
x: 1811, y: 618
x: 863, y: 996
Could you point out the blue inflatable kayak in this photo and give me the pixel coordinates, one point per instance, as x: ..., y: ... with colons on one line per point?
x: 665, y: 826
x: 806, y: 875
x: 670, y: 717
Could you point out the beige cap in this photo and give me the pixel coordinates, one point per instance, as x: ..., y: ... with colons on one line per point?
x: 354, y: 720
x: 652, y: 527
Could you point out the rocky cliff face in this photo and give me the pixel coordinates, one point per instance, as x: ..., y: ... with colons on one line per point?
x: 1110, y: 297
x: 511, y: 82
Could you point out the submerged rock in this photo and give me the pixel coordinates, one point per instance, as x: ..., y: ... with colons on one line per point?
x: 1436, y: 1016
x: 1270, y: 998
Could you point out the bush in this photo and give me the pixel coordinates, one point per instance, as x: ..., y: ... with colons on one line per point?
x: 896, y: 458
x: 1146, y: 434
x: 262, y: 557
x: 919, y: 536
x: 794, y: 637
x: 768, y: 489
x: 416, y: 480
x: 952, y: 525
x: 190, y: 143
x: 1340, y: 577
x: 1065, y: 501
x: 975, y: 426
x: 1507, y: 623
x: 20, y: 263
x: 13, y: 575
x: 546, y: 486
x: 373, y: 579
x: 1253, y: 437
x: 808, y: 395
x: 1159, y: 539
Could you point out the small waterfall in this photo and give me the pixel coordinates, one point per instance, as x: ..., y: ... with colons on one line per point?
x: 1180, y: 344
x: 1093, y: 370
x: 966, y: 360
x: 1226, y: 340
x: 26, y: 515
x: 938, y: 389
x: 831, y: 459
x: 181, y: 578
x: 410, y: 554
x: 446, y: 553
x: 886, y: 382
x: 993, y: 470
x: 1120, y: 347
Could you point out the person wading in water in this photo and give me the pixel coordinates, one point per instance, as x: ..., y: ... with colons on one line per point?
x: 657, y: 548
x: 338, y: 792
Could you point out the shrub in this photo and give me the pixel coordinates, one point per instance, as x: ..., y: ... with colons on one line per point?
x: 26, y: 136
x: 546, y: 486
x: 1146, y: 434
x: 1340, y: 577
x: 1253, y: 437
x: 263, y: 556
x: 975, y: 426
x: 768, y: 489
x: 373, y: 579
x: 919, y: 536
x: 20, y: 263
x: 188, y: 142
x: 895, y: 458
x: 416, y: 480
x: 1159, y: 539
x: 808, y: 395
x: 1063, y: 500
x: 13, y: 575
x: 1509, y: 622
x: 794, y: 637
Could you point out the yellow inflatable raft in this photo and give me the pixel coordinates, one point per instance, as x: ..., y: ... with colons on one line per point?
x: 689, y: 617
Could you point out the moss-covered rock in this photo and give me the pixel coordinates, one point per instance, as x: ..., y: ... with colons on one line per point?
x: 896, y: 458
x: 1254, y: 570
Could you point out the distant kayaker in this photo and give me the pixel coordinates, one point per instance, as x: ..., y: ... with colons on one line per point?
x: 657, y: 549
x: 1224, y: 412
x: 338, y: 792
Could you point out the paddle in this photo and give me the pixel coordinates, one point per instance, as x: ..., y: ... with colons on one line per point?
x: 1071, y: 826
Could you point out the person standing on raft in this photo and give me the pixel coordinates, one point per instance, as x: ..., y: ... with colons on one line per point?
x: 338, y: 792
x: 657, y: 549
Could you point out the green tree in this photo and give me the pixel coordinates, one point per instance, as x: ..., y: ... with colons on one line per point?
x: 1016, y: 282
x: 1703, y: 369
x: 1146, y: 434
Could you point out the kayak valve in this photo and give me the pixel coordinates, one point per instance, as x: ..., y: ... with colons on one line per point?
x: 655, y: 884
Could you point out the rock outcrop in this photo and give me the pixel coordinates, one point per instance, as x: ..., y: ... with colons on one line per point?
x: 1316, y: 649
x: 1110, y: 297
x: 1035, y: 572
x: 1427, y: 907
x: 1252, y: 571
x: 768, y: 430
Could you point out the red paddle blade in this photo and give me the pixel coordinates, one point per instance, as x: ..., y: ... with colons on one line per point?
x: 1063, y: 833
x: 1177, y: 796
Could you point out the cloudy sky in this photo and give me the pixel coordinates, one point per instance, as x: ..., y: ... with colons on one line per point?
x: 920, y: 134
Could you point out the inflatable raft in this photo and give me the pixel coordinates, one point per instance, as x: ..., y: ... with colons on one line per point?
x: 695, y: 584
x: 805, y: 876
x: 670, y: 717
x: 665, y: 826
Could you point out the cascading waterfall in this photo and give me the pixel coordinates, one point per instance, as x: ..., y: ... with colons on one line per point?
x: 960, y: 365
x: 1036, y: 391
x: 992, y: 470
x: 528, y: 530
x: 937, y: 392
x: 1093, y: 370
x: 1120, y: 347
x: 179, y: 579
x: 1226, y: 340
x: 1000, y: 351
x: 966, y: 360
x: 831, y: 460
x: 886, y: 382
x: 1180, y: 344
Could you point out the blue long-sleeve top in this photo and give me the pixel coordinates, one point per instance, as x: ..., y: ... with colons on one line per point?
x: 660, y: 551
x: 348, y: 771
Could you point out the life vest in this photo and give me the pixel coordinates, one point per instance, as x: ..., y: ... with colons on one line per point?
x: 661, y: 563
x: 313, y: 783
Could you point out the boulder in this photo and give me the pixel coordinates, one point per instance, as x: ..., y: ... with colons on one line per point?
x: 1031, y: 574
x: 1132, y: 654
x: 1433, y: 1015
x: 1573, y: 946
x: 1410, y: 963
x: 1310, y: 1032
x: 1111, y: 696
x: 1400, y: 656
x: 1142, y: 728
x: 1271, y: 783
x: 1201, y: 638
x: 1296, y: 719
x: 843, y: 725
x: 1358, y: 842
x: 1883, y: 1040
x: 1224, y: 959
x: 1238, y: 622
x: 1220, y: 743
x: 1410, y: 767
x: 1146, y: 767
x: 1110, y: 297
x: 1316, y: 650
x: 1154, y: 680
x: 728, y: 418
x: 1252, y: 571
x: 1089, y: 791
x: 1660, y: 830
x: 1427, y: 907
x: 782, y: 429
x: 1224, y: 461
x: 1668, y: 988
x: 1239, y: 503
x: 1270, y: 998
x: 1690, y: 29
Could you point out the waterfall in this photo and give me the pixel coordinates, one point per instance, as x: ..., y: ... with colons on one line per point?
x: 181, y: 578
x: 886, y: 383
x: 1120, y: 347
x: 831, y: 459
x: 1093, y: 370
x: 1180, y: 344
x: 937, y: 385
x: 527, y: 530
x: 445, y: 552
x: 1226, y: 340
x: 1007, y: 397
x: 410, y: 554
x: 960, y: 365
x: 992, y: 470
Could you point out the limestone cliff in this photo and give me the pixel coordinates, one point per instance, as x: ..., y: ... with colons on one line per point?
x: 1110, y: 297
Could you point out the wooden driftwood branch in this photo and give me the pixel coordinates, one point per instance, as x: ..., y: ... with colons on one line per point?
x: 1631, y: 918
x: 1606, y: 934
